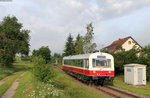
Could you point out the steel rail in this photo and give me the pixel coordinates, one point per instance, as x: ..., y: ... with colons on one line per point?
x: 118, y: 93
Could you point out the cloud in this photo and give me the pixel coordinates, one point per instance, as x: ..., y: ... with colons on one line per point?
x: 51, y: 21
x: 73, y: 3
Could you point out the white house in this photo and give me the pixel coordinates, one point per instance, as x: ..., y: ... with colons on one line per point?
x: 127, y: 43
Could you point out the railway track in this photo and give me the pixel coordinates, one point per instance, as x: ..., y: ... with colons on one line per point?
x: 118, y: 93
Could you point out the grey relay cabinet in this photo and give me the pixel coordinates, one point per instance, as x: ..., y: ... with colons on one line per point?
x: 135, y: 74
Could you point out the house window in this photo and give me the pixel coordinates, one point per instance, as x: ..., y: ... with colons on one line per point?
x: 129, y: 42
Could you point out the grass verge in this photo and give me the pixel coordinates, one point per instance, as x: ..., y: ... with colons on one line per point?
x: 74, y: 89
x: 142, y: 90
x: 5, y: 71
x: 17, y: 66
x: 62, y: 86
x: 8, y: 82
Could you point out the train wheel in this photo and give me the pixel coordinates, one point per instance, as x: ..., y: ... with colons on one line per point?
x: 101, y: 82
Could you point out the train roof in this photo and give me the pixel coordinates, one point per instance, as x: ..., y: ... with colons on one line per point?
x: 86, y: 56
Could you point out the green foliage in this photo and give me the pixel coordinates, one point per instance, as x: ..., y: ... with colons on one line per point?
x: 132, y: 56
x: 57, y: 55
x: 57, y: 58
x: 41, y: 70
x: 13, y: 39
x: 125, y: 57
x: 5, y: 71
x: 43, y: 86
x: 17, y: 66
x: 79, y: 45
x: 148, y: 73
x: 25, y: 58
x: 44, y: 52
x: 69, y: 46
x: 144, y: 58
x: 88, y: 46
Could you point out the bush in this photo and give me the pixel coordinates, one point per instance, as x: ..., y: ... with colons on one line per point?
x: 25, y: 58
x: 148, y: 73
x: 44, y: 52
x: 41, y: 70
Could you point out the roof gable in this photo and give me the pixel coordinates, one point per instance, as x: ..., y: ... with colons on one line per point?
x: 113, y: 47
x: 120, y: 41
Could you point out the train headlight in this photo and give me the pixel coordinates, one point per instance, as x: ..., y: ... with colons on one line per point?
x: 109, y: 71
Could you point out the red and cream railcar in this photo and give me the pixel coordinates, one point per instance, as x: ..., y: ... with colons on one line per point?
x: 94, y: 66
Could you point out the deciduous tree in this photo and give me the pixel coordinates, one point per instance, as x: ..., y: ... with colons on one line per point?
x: 44, y: 52
x: 13, y: 39
x: 89, y: 46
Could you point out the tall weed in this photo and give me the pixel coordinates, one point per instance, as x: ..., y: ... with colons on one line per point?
x: 41, y: 70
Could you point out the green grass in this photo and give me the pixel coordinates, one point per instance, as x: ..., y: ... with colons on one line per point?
x: 25, y: 86
x: 17, y: 66
x: 8, y: 82
x: 23, y: 64
x: 67, y: 86
x: 12, y: 72
x: 143, y: 90
x: 5, y: 71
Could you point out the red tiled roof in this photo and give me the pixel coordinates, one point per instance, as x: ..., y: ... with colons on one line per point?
x: 113, y: 46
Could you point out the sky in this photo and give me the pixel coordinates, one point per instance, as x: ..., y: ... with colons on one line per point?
x: 51, y: 21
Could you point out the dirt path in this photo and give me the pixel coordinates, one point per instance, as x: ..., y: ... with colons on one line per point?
x: 11, y: 90
x: 3, y: 80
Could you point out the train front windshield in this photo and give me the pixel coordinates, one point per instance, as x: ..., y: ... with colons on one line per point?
x: 101, y: 63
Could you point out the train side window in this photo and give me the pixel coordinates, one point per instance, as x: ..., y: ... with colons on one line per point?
x: 75, y: 62
x: 86, y: 63
x: 80, y: 63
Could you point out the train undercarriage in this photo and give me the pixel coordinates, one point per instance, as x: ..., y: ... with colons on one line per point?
x: 96, y: 80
